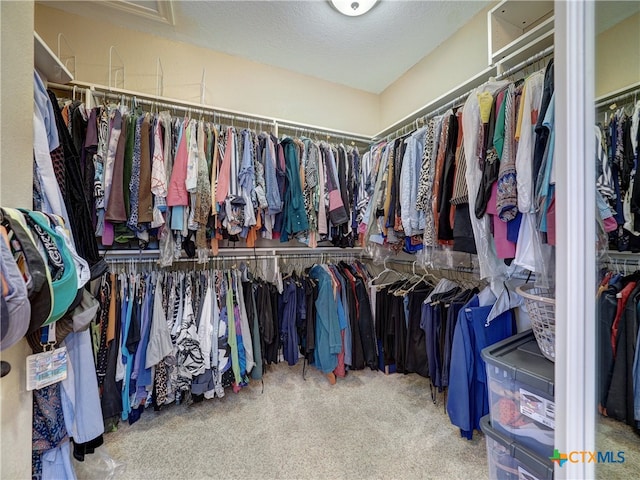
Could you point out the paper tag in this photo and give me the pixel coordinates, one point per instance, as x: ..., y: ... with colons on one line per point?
x: 46, y: 368
x: 540, y: 409
x: 524, y: 475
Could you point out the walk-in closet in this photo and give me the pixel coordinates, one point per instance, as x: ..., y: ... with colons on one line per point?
x: 320, y: 239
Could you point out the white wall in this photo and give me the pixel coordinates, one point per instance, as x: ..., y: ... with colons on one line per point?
x: 453, y: 62
x: 618, y: 56
x: 16, y: 166
x: 231, y: 82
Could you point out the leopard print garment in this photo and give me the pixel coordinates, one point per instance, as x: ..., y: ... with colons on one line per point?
x: 425, y: 185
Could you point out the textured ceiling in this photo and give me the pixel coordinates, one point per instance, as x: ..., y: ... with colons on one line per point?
x: 309, y: 37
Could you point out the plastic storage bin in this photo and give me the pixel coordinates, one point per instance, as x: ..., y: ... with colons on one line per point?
x: 510, y: 461
x: 521, y: 392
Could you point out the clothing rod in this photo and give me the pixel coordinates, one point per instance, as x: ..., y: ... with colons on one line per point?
x: 440, y: 110
x: 235, y: 252
x: 148, y: 101
x: 471, y: 83
x: 457, y: 100
x: 524, y: 64
x: 412, y: 263
x: 326, y: 132
x: 174, y: 102
x: 434, y: 113
x: 610, y: 101
x: 60, y: 86
x: 211, y: 110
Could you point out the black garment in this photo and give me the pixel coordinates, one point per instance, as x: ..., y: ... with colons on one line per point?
x: 635, y: 195
x: 354, y: 181
x: 87, y: 149
x: 111, y: 399
x: 433, y: 322
x: 542, y: 132
x: 351, y: 309
x: 463, y: 239
x: 395, y: 209
x: 399, y: 332
x: 82, y: 449
x: 311, y: 293
x: 271, y: 324
x: 133, y: 335
x: 342, y: 238
x: 256, y: 335
x: 416, y: 347
x: 627, y: 155
x: 78, y: 125
x: 620, y: 398
x: 76, y: 201
x: 384, y: 325
x: 281, y: 176
x: 491, y: 166
x: 608, y: 305
x: 445, y: 230
x: 338, y: 216
x: 102, y: 320
x: 366, y: 327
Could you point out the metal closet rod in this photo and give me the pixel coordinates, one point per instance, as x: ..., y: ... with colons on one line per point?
x: 529, y: 61
x: 460, y: 98
x: 200, y: 108
x: 328, y: 134
x: 248, y: 253
x: 618, y: 98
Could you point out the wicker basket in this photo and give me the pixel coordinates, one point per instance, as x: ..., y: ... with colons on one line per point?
x: 541, y: 306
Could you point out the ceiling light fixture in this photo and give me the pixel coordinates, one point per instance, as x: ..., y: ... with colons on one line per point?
x: 353, y: 8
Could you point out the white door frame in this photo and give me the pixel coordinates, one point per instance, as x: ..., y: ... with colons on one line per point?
x: 575, y: 365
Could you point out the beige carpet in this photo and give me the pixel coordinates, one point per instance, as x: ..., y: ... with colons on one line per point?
x: 616, y: 436
x: 368, y: 425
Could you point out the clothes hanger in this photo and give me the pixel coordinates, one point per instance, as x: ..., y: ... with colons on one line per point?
x: 384, y: 272
x: 400, y: 290
x: 423, y: 279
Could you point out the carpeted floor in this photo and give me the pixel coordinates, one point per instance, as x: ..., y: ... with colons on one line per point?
x: 614, y: 436
x: 368, y: 425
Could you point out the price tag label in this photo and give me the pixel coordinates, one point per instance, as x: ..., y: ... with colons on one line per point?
x: 46, y: 368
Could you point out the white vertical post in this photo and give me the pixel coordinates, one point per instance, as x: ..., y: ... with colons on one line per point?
x: 575, y: 365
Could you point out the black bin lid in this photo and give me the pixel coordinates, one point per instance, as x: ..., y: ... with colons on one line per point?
x: 521, y: 357
x: 540, y: 466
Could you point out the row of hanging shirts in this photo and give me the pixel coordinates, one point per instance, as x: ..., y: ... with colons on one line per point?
x: 182, y: 183
x: 617, y: 192
x: 164, y: 337
x: 477, y: 179
x: 182, y: 336
x: 617, y: 340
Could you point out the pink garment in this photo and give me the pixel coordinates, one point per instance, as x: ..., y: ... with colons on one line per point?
x: 224, y: 174
x: 335, y: 200
x: 504, y: 248
x: 108, y: 234
x: 177, y: 194
x: 551, y: 222
x: 610, y: 224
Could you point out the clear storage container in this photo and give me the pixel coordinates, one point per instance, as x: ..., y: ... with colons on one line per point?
x: 521, y: 392
x: 510, y: 461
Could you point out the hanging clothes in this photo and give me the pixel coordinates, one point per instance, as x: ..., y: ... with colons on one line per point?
x: 467, y: 400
